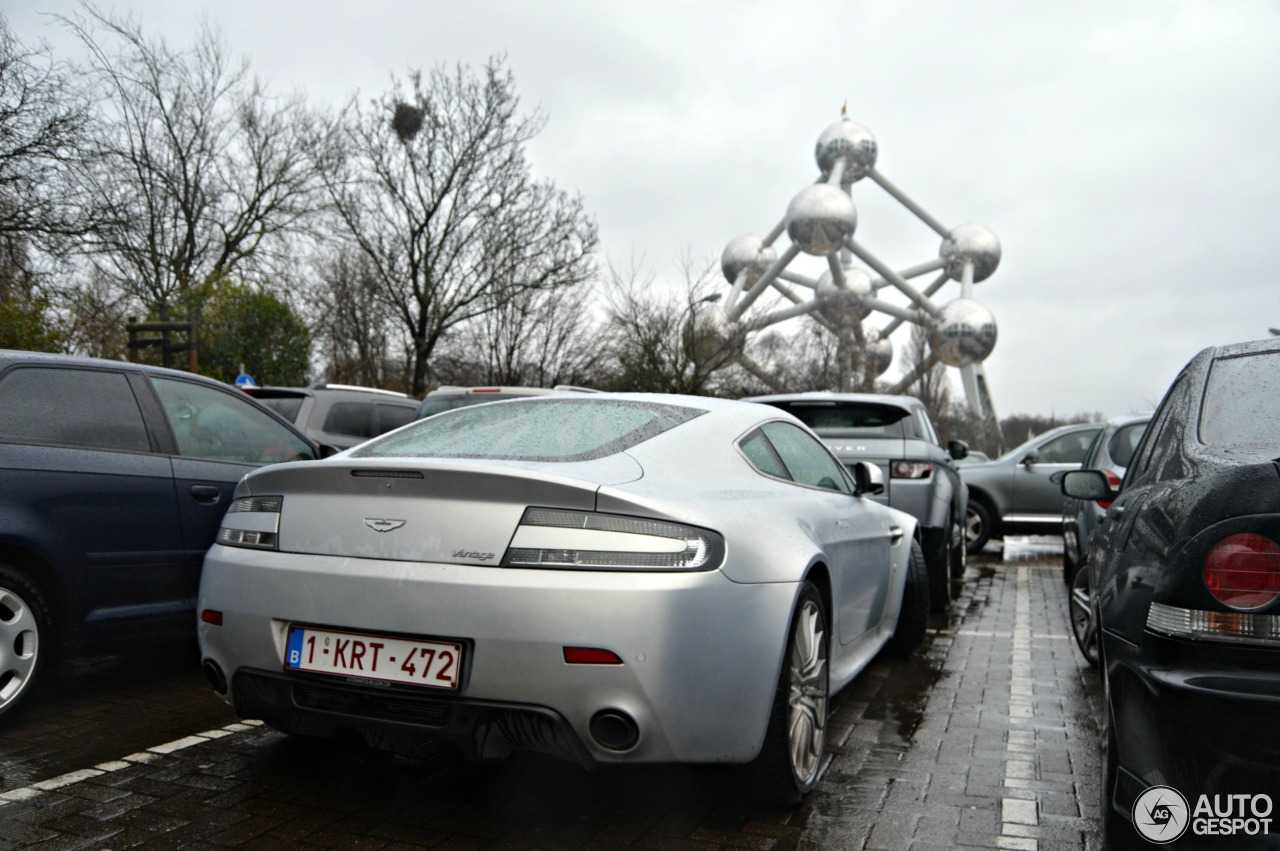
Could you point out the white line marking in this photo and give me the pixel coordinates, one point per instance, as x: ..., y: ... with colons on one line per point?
x: 35, y: 790
x: 1018, y: 767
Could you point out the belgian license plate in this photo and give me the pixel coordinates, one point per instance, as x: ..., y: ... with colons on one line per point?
x: 435, y: 664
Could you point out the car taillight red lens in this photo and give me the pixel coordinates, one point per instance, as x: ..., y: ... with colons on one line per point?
x: 1114, y: 482
x: 910, y: 470
x: 1243, y: 571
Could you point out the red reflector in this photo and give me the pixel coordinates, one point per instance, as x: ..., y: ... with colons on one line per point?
x: 211, y: 616
x: 1243, y: 571
x: 486, y: 389
x: 590, y: 656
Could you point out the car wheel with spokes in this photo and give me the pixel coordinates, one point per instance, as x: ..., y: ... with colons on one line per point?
x: 977, y: 526
x: 26, y: 639
x: 1083, y: 621
x: 788, y: 764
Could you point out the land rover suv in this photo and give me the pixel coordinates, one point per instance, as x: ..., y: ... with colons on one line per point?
x: 338, y: 415
x: 921, y: 477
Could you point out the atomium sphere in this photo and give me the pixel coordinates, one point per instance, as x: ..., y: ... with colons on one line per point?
x: 746, y: 252
x: 820, y: 218
x: 974, y: 242
x: 844, y: 307
x: 965, y: 334
x: 717, y: 342
x: 851, y: 141
x: 882, y: 350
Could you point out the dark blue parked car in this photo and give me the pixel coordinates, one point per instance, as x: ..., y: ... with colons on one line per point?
x: 1185, y: 578
x: 113, y: 481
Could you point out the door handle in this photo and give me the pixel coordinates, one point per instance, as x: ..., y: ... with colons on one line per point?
x: 206, y: 493
x: 895, y: 533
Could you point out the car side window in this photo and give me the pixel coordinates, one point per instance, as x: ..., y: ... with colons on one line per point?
x: 1155, y: 444
x: 217, y: 426
x: 759, y: 452
x: 390, y: 417
x: 806, y: 459
x: 83, y: 408
x: 1067, y: 449
x: 349, y: 418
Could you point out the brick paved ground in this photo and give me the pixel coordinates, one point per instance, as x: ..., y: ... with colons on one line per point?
x: 987, y: 739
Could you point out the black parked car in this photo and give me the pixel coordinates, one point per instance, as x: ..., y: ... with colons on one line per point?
x: 114, y: 478
x: 1185, y: 572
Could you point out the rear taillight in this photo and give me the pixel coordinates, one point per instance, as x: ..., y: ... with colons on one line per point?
x: 1243, y: 571
x: 585, y: 540
x: 910, y: 470
x: 253, y: 522
x: 1114, y: 482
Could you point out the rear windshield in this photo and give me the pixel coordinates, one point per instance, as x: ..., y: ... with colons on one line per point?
x: 830, y: 418
x: 1242, y: 401
x: 285, y: 406
x: 1124, y: 442
x: 534, y: 430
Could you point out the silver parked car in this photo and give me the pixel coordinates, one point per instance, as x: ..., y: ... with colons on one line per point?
x: 1016, y: 493
x: 1110, y: 454
x: 1111, y: 451
x: 606, y: 577
x: 921, y: 478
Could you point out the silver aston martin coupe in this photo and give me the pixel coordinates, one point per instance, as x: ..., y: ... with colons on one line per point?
x: 610, y: 578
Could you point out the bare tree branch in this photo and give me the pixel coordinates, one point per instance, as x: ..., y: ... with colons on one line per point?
x: 450, y: 220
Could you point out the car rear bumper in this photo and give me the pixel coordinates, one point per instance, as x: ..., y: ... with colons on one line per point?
x: 1197, y: 716
x: 701, y: 654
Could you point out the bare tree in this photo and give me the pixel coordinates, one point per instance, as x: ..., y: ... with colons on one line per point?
x: 669, y: 340
x: 43, y: 119
x: 431, y: 185
x: 197, y: 168
x: 538, y: 338
x: 353, y: 325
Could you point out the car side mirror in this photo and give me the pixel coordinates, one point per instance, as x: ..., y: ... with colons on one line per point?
x: 957, y: 449
x: 867, y: 478
x: 1030, y: 458
x: 328, y: 451
x: 1088, y: 484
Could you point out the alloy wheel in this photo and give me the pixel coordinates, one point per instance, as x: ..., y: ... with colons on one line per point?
x: 807, y: 695
x: 1083, y: 623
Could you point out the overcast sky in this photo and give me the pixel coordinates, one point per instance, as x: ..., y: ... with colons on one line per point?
x: 1125, y: 153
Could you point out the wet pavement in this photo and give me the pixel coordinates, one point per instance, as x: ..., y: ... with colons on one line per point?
x: 986, y: 738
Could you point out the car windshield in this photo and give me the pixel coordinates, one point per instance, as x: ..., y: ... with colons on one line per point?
x: 832, y: 418
x: 1242, y: 401
x: 534, y: 430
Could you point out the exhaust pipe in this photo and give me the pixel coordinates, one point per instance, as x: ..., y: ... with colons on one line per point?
x: 614, y: 730
x: 214, y: 675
